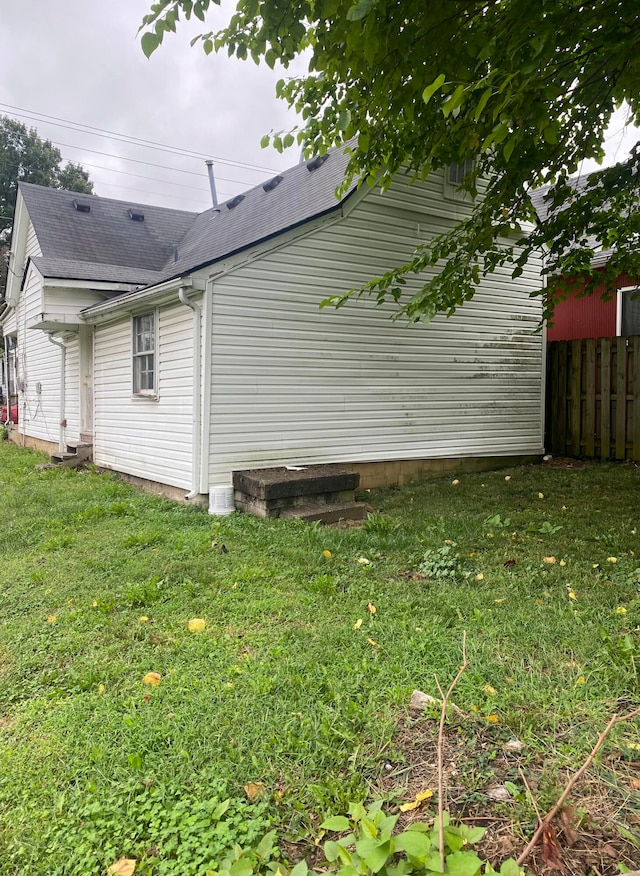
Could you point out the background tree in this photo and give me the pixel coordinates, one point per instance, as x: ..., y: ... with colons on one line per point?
x: 25, y: 157
x: 524, y: 89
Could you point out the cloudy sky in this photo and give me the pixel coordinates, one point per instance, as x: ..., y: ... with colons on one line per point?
x: 79, y: 63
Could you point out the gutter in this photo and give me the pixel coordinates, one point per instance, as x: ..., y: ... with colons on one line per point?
x: 63, y: 368
x: 196, y: 406
x: 113, y: 308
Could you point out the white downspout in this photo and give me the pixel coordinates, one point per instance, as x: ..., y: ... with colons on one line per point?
x: 208, y: 378
x: 197, y: 395
x: 63, y: 368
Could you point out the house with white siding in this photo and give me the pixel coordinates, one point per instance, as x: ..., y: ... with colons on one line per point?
x: 186, y: 346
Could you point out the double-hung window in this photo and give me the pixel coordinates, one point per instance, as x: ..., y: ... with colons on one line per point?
x: 145, y: 378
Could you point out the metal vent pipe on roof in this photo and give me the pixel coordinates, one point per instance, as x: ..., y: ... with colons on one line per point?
x: 212, y: 182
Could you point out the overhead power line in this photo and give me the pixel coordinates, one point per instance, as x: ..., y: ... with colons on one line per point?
x: 147, y: 163
x: 33, y: 115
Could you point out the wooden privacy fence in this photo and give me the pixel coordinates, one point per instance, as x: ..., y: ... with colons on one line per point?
x: 593, y: 398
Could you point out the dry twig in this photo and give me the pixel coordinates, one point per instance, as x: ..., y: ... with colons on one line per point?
x: 617, y: 719
x: 443, y: 714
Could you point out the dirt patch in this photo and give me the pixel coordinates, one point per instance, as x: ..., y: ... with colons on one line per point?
x: 482, y: 764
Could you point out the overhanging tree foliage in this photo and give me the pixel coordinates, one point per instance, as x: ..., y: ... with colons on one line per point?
x: 25, y: 157
x: 524, y: 89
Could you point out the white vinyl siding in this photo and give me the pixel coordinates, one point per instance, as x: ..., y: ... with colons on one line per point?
x: 32, y: 247
x: 295, y: 384
x: 149, y: 438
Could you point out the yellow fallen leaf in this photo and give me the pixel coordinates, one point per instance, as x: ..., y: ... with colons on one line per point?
x: 549, y: 560
x: 372, y: 643
x: 474, y: 709
x: 490, y: 535
x: 564, y: 508
x: 152, y: 678
x: 500, y: 601
x: 94, y: 604
x: 197, y: 625
x: 493, y: 719
x: 562, y: 563
x: 540, y: 495
x: 633, y: 745
x: 489, y: 690
x: 612, y: 559
x: 621, y: 610
x: 595, y: 566
x: 538, y: 602
x: 254, y: 790
x: 572, y: 595
x: 417, y: 800
x: 448, y: 541
x: 479, y: 577
x: 143, y: 619
x: 122, y: 867
x: 507, y: 477
x: 52, y: 619
x: 357, y: 624
x: 326, y: 554
x: 101, y: 688
x: 581, y: 680
x: 364, y: 561
x: 455, y: 483
x: 371, y: 608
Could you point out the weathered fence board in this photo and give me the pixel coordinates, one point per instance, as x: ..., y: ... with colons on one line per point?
x: 593, y: 398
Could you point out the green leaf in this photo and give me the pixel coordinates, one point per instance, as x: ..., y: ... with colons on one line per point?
x: 336, y: 822
x: 430, y: 90
x: 331, y: 851
x: 486, y: 94
x: 150, y: 42
x: 300, y: 869
x: 265, y: 846
x: 510, y: 868
x: 374, y: 853
x: 418, y: 845
x: 359, y: 10
x: 264, y: 142
x: 463, y: 864
x: 454, y: 101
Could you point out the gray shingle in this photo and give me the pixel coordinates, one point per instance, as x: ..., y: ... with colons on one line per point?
x: 105, y: 244
x: 67, y: 269
x: 106, y: 235
x: 300, y: 196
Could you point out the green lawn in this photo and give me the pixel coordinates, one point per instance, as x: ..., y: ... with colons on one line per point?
x: 284, y: 685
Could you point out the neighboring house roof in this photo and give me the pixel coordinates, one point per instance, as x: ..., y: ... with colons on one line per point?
x: 543, y: 209
x: 106, y: 244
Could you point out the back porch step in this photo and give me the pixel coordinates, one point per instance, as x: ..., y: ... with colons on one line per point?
x: 324, y: 493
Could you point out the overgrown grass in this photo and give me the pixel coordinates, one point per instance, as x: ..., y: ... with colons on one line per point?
x: 284, y: 686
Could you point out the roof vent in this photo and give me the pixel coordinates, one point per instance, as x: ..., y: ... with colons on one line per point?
x: 235, y: 201
x: 135, y: 215
x: 315, y: 163
x: 271, y: 184
x: 81, y: 206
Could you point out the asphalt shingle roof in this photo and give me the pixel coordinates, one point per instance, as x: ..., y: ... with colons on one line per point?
x: 67, y: 269
x: 105, y: 235
x: 106, y: 244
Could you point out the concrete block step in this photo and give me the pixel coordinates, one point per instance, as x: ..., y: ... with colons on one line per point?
x: 329, y: 513
x: 278, y: 483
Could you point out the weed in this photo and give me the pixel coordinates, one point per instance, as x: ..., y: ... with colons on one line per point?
x: 442, y: 564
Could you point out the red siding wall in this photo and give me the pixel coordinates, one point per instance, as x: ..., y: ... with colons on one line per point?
x: 588, y: 317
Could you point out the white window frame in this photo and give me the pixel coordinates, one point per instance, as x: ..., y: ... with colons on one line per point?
x: 452, y: 190
x: 619, y: 300
x: 137, y: 392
